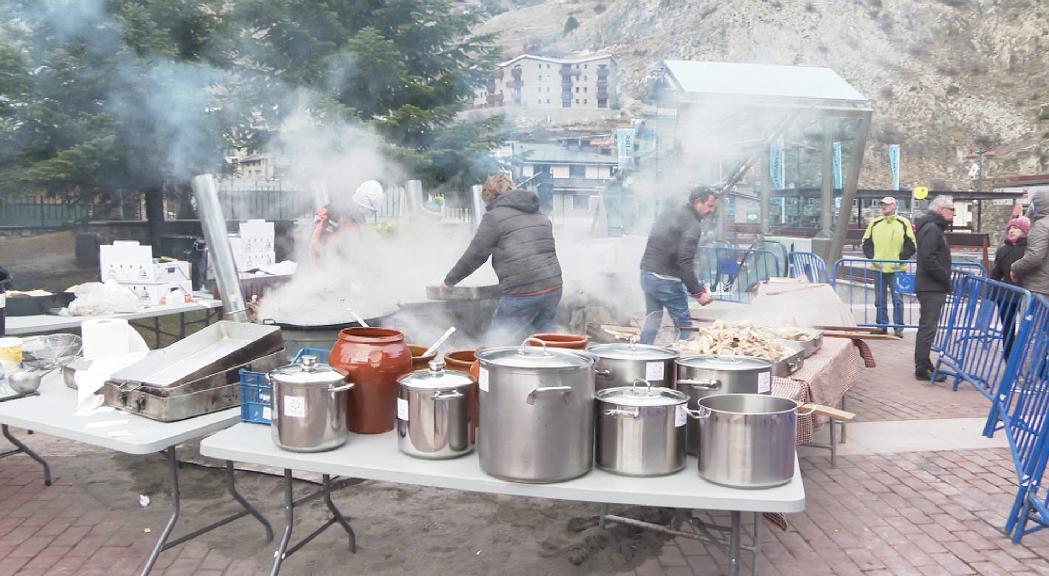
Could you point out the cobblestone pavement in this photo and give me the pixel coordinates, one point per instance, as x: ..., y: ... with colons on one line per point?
x: 922, y: 513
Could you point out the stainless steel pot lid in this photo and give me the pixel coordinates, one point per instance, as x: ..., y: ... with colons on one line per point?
x: 632, y: 351
x: 308, y: 372
x: 725, y: 363
x: 642, y: 395
x: 525, y: 356
x: 436, y: 378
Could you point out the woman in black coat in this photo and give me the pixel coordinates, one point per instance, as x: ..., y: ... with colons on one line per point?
x: 1011, y: 250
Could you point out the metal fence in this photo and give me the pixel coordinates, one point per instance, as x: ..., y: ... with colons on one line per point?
x: 268, y: 200
x: 870, y: 292
x: 47, y: 212
x: 980, y: 331
x: 810, y: 266
x: 1021, y: 409
x: 731, y: 274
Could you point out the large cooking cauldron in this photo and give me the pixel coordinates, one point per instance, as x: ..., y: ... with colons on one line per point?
x: 322, y: 336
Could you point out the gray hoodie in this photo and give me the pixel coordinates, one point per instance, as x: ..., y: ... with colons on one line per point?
x: 520, y: 241
x: 1033, y: 268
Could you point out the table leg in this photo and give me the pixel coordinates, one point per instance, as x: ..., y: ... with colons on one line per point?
x: 290, y: 503
x: 757, y: 547
x: 843, y: 396
x: 833, y: 443
x: 21, y: 448
x: 163, y: 543
x: 734, y: 543
x: 156, y: 330
x: 181, y: 325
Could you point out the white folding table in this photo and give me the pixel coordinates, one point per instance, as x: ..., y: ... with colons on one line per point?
x: 51, y: 412
x: 376, y: 457
x: 40, y: 323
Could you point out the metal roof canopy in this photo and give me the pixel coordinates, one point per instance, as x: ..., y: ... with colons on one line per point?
x: 764, y: 85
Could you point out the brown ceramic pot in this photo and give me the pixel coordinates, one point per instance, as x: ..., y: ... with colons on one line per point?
x: 570, y: 341
x: 373, y: 359
x: 420, y: 362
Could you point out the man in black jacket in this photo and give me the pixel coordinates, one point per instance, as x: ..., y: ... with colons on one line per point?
x: 668, y: 272
x: 520, y: 241
x: 933, y: 280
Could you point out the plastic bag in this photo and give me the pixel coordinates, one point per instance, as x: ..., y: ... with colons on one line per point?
x: 95, y: 299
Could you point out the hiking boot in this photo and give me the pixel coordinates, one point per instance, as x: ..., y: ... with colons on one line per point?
x: 898, y: 332
x: 926, y: 376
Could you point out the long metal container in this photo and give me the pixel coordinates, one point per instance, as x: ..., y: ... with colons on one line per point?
x: 621, y: 364
x: 747, y: 440
x: 216, y: 348
x: 791, y: 364
x: 641, y: 430
x: 702, y: 376
x: 537, y: 413
x: 309, y: 407
x: 202, y: 396
x: 433, y: 413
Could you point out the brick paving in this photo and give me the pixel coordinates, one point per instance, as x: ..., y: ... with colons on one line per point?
x: 922, y: 513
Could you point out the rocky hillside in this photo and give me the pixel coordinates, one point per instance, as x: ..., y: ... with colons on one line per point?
x: 945, y: 76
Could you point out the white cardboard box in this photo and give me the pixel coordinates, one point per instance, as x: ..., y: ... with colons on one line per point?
x: 257, y: 236
x: 125, y: 262
x: 159, y: 294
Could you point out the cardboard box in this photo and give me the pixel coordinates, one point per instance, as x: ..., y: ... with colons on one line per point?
x: 257, y: 236
x: 125, y: 262
x: 160, y: 294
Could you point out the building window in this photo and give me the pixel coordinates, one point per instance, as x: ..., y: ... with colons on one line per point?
x: 602, y: 103
x: 586, y: 65
x: 540, y: 101
x: 585, y: 101
x: 577, y: 100
x: 547, y: 100
x: 566, y: 102
x: 577, y: 89
x: 584, y: 89
x: 580, y: 201
x: 577, y: 171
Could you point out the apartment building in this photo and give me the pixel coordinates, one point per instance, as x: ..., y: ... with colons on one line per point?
x: 536, y: 82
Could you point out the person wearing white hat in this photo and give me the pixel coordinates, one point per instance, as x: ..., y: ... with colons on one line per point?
x: 339, y: 218
x: 889, y: 237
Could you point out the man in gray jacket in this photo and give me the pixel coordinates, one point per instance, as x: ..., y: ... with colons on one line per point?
x: 1032, y: 270
x: 520, y: 241
x: 668, y: 274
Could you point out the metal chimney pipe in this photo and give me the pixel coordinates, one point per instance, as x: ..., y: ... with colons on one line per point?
x: 414, y: 190
x: 319, y: 191
x: 478, y: 205
x: 214, y: 224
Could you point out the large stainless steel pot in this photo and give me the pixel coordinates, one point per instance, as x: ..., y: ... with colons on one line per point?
x: 747, y: 440
x: 621, y: 364
x: 701, y: 376
x: 309, y: 406
x: 641, y: 430
x: 433, y: 412
x: 537, y: 413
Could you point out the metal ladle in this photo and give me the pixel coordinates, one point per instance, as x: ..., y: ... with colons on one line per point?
x: 26, y: 381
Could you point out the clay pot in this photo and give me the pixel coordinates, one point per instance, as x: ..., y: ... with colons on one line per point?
x: 373, y: 359
x: 570, y: 341
x: 466, y: 361
x: 420, y: 362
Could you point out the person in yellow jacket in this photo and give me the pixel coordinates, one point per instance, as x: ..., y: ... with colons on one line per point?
x: 888, y: 237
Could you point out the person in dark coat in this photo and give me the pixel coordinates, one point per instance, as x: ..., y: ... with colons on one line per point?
x: 520, y: 241
x: 932, y: 281
x: 1011, y: 250
x: 668, y: 274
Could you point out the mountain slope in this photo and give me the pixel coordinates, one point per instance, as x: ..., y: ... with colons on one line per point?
x: 945, y: 76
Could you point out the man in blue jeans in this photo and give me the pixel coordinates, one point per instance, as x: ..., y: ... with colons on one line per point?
x: 520, y: 241
x: 888, y: 238
x: 668, y: 274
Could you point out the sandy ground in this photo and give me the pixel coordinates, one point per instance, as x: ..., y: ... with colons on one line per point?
x: 400, y: 528
x: 45, y: 261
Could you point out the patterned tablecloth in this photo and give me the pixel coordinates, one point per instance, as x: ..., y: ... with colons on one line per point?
x: 824, y: 379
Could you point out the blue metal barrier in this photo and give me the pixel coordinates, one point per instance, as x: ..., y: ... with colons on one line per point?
x: 809, y: 266
x: 1022, y: 407
x: 981, y: 330
x: 858, y: 281
x: 732, y: 273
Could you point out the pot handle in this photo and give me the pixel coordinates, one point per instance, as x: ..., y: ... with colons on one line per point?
x: 636, y: 413
x: 341, y: 388
x: 827, y: 411
x: 268, y: 321
x: 709, y: 384
x: 603, y: 373
x: 447, y: 395
x: 563, y: 390
x: 699, y: 414
x: 523, y: 348
x: 637, y: 381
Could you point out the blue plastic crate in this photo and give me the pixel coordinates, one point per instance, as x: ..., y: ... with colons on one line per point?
x: 256, y: 394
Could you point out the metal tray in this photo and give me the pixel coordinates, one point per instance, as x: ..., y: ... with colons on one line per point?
x: 216, y: 348
x: 203, y: 396
x: 790, y: 364
x: 463, y: 292
x: 812, y: 345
